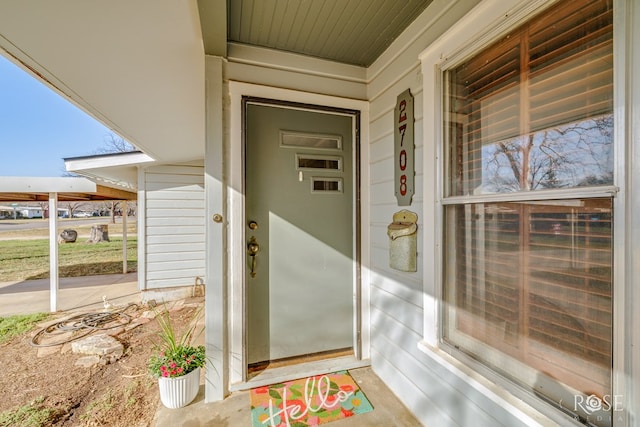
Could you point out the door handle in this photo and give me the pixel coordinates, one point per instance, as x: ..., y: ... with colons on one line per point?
x: 253, y: 248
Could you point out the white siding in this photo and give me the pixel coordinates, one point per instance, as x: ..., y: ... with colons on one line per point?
x: 429, y: 389
x: 174, y: 228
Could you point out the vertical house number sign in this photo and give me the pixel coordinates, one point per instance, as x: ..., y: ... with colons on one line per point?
x: 403, y: 148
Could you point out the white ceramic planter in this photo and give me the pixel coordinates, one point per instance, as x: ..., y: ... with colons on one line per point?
x: 179, y: 391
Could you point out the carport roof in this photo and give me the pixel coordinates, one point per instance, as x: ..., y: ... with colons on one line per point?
x: 35, y: 189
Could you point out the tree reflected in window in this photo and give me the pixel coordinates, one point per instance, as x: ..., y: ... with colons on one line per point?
x: 574, y: 155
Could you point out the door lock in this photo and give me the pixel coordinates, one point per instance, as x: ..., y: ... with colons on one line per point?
x: 252, y: 248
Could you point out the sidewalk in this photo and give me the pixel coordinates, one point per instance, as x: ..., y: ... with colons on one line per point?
x: 75, y: 293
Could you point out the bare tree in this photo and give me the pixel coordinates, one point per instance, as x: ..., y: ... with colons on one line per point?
x: 115, y: 144
x: 111, y: 144
x: 573, y: 155
x: 114, y: 206
x: 74, y: 207
x: 110, y: 207
x: 45, y: 209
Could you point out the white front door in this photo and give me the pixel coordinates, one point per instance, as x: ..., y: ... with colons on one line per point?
x: 299, y: 229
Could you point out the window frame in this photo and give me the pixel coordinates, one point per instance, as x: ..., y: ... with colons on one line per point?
x: 456, y: 45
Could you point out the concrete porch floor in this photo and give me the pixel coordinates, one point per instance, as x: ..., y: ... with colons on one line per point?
x: 235, y: 410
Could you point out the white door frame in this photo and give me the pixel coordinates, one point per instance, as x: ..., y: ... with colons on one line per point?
x: 236, y: 230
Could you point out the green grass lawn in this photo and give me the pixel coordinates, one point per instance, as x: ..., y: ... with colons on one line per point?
x: 29, y: 259
x: 15, y: 325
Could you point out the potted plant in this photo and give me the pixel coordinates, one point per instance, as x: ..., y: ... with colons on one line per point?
x: 177, y: 362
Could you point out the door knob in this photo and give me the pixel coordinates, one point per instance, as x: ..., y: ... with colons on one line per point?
x: 252, y: 248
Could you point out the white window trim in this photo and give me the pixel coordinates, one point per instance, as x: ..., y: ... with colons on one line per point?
x: 500, y: 16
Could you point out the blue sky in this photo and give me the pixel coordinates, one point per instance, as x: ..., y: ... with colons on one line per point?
x: 38, y: 127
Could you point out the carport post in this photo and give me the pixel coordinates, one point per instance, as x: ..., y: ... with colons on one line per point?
x: 53, y: 250
x: 124, y: 237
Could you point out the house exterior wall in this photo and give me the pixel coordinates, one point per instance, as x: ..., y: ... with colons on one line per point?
x: 429, y: 389
x: 438, y: 387
x: 396, y: 315
x: 173, y: 230
x: 32, y: 213
x: 404, y: 343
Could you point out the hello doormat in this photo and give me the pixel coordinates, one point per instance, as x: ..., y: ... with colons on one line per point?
x: 308, y: 402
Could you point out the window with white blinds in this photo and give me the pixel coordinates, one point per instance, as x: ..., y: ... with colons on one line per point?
x: 528, y: 282
x: 535, y: 110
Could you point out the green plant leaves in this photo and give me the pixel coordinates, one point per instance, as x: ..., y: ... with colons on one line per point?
x: 175, y: 355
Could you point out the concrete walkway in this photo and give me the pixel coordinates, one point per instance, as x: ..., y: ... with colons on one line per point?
x: 75, y: 293
x: 235, y: 410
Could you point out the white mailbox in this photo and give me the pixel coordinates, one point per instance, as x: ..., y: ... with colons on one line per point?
x: 403, y: 244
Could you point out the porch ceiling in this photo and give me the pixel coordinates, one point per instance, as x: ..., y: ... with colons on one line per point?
x: 353, y: 32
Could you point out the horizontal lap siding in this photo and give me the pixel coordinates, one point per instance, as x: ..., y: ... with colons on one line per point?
x: 175, y: 228
x: 445, y: 406
x: 435, y: 394
x: 396, y: 297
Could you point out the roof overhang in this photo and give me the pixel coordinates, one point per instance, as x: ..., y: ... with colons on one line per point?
x: 139, y: 66
x: 118, y: 170
x: 35, y: 189
x: 136, y: 66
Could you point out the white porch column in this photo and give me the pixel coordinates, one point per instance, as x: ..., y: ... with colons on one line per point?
x: 216, y: 336
x: 124, y: 237
x: 53, y: 251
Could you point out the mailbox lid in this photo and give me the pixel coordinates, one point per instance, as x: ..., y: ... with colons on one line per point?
x: 399, y: 229
x: 404, y: 224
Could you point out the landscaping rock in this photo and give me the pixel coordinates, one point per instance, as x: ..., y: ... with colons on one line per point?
x: 100, y: 345
x: 68, y: 236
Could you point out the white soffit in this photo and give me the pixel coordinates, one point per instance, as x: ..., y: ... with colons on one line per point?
x: 137, y: 66
x: 118, y: 170
x: 119, y: 177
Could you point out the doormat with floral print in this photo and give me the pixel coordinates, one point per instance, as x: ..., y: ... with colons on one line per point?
x: 308, y: 402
